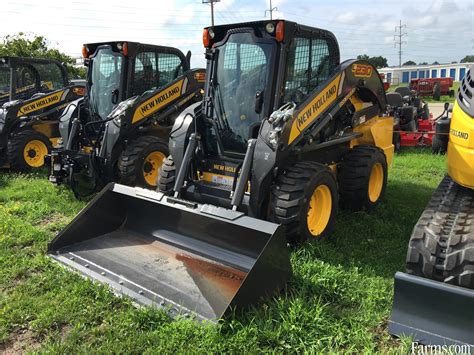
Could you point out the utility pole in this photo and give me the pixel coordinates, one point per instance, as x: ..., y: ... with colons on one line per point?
x: 399, y: 41
x: 212, y: 8
x: 271, y: 10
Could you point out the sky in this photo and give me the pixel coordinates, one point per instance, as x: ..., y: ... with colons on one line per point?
x: 436, y: 30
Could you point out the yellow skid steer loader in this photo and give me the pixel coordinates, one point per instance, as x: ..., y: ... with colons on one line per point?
x: 33, y: 94
x: 119, y: 130
x: 284, y: 133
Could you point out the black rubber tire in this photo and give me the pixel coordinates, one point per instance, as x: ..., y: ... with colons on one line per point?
x: 438, y: 145
x: 167, y: 176
x: 354, y: 175
x: 437, y: 92
x: 397, y: 141
x: 132, y: 159
x: 291, y: 195
x: 441, y: 246
x: 16, y: 146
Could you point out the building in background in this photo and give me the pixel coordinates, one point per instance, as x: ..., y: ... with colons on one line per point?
x: 403, y: 75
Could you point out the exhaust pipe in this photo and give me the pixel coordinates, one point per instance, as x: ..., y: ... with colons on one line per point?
x: 187, y: 258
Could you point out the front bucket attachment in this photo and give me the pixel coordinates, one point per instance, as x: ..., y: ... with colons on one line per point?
x: 186, y: 258
x: 432, y: 312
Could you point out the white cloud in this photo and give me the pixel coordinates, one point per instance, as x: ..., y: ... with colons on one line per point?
x: 365, y: 25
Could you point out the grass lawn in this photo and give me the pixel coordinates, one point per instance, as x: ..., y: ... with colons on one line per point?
x: 429, y: 99
x: 338, y: 300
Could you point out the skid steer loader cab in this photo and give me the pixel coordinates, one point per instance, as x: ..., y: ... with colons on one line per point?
x: 284, y: 132
x: 21, y: 78
x: 119, y: 132
x: 121, y: 70
x: 33, y: 92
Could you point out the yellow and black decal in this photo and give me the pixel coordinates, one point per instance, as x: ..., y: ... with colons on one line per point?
x: 315, y: 107
x: 159, y: 101
x: 40, y: 103
x: 219, y: 172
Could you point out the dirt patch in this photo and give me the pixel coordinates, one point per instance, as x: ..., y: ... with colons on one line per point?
x: 65, y: 329
x: 19, y: 342
x: 51, y: 222
x: 383, y: 339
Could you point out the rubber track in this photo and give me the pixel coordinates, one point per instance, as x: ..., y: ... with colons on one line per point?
x: 442, y: 243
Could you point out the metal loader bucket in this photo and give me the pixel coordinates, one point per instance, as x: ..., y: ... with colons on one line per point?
x: 191, y: 258
x: 432, y: 312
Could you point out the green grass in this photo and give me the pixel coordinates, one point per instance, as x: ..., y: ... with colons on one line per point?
x: 338, y: 300
x: 429, y: 99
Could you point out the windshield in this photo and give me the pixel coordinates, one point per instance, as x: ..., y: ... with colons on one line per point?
x: 243, y: 68
x: 104, y: 90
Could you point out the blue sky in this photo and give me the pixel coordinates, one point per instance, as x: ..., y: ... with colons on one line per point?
x: 439, y: 30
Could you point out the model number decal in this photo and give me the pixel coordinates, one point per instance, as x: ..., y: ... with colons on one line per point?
x: 361, y: 70
x: 459, y: 134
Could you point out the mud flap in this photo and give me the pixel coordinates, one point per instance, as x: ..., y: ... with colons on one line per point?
x: 432, y: 312
x: 185, y: 258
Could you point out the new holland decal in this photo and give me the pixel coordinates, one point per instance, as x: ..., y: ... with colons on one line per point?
x: 459, y: 134
x: 311, y: 111
x: 158, y: 101
x: 42, y: 102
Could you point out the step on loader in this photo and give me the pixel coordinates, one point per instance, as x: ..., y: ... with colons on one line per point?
x: 119, y: 130
x: 434, y: 298
x: 33, y: 93
x: 285, y: 133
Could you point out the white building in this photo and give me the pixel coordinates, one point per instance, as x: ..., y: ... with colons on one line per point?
x: 397, y: 75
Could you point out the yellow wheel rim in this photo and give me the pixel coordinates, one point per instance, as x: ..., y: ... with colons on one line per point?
x: 376, y: 182
x: 34, y: 153
x: 319, y: 210
x: 151, y: 166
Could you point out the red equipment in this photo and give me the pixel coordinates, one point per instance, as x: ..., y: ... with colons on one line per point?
x: 426, y: 87
x: 423, y: 137
x: 386, y: 84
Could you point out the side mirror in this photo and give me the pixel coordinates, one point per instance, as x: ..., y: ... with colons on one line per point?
x: 446, y: 106
x: 258, y: 101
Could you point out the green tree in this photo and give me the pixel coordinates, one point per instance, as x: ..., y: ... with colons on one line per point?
x: 410, y: 62
x: 467, y: 59
x: 423, y: 63
x: 22, y: 45
x: 378, y: 62
x: 435, y: 62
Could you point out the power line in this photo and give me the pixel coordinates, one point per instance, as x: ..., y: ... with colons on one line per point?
x: 212, y: 8
x: 270, y: 10
x: 400, y: 41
